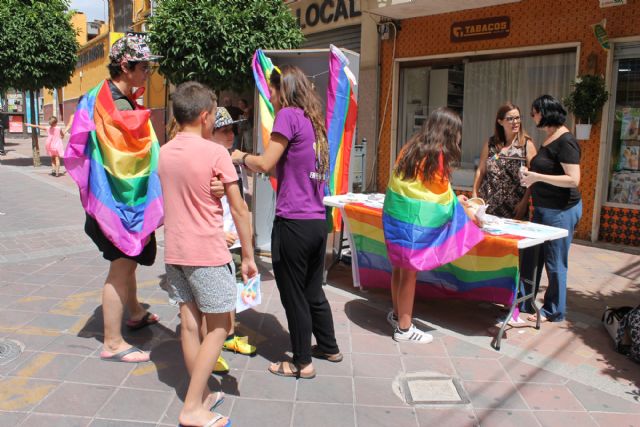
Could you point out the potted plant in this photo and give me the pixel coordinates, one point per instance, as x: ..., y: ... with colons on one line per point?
x: 585, y: 102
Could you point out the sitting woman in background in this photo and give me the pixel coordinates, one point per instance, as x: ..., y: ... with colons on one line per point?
x: 553, y: 178
x: 497, y: 179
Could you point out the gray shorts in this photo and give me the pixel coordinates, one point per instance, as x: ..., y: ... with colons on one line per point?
x: 212, y: 288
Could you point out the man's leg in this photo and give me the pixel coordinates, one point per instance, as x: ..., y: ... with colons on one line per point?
x: 114, y: 298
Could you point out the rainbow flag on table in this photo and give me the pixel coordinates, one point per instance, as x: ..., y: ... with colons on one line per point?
x: 342, y: 112
x: 113, y: 157
x: 487, y: 272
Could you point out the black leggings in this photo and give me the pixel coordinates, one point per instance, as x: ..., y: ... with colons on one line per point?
x: 298, y: 249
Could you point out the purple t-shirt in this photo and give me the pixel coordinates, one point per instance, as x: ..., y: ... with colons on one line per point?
x: 300, y: 193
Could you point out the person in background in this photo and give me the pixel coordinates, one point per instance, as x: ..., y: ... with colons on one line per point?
x: 235, y: 113
x: 554, y: 177
x: 54, y: 145
x: 298, y: 150
x: 497, y: 179
x: 246, y: 127
x: 196, y: 256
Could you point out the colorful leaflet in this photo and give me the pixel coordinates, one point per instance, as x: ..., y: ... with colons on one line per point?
x: 113, y: 157
x: 487, y: 272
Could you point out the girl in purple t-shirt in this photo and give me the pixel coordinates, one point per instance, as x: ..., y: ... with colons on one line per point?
x: 299, y: 151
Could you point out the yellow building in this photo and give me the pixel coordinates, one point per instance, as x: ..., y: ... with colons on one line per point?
x: 93, y: 58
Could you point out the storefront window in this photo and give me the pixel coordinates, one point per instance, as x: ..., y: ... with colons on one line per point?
x: 476, y: 88
x: 624, y: 177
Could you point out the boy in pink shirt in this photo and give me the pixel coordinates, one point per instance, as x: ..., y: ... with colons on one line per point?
x: 196, y: 255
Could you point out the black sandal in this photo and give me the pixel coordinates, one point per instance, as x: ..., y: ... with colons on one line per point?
x: 294, y: 371
x: 335, y: 357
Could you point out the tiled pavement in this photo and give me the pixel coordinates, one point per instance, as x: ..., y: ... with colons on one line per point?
x: 50, y: 284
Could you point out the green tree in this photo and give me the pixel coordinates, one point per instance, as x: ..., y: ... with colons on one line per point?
x: 212, y: 41
x: 37, y: 49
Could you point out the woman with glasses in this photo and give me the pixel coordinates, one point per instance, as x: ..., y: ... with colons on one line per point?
x: 497, y: 179
x: 554, y: 177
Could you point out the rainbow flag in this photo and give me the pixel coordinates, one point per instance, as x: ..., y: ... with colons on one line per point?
x: 342, y: 112
x: 113, y: 157
x: 425, y: 226
x: 262, y: 69
x: 487, y: 272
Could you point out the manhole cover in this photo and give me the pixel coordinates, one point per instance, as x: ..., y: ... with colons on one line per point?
x: 9, y: 350
x: 433, y: 391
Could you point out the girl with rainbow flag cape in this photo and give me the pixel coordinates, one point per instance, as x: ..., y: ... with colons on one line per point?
x: 425, y: 225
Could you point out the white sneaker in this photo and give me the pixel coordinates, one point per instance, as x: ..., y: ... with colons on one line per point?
x: 413, y: 335
x: 393, y: 322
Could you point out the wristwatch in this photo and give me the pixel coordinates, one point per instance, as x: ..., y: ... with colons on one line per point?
x: 244, y: 158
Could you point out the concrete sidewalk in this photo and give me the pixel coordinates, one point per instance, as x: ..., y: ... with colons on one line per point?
x: 50, y: 285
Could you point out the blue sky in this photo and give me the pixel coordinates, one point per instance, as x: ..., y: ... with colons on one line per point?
x: 94, y: 9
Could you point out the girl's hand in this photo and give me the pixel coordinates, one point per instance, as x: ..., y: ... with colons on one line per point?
x: 463, y: 200
x: 528, y: 178
x: 216, y: 187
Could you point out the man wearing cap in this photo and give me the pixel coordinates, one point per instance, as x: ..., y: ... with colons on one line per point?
x: 112, y: 156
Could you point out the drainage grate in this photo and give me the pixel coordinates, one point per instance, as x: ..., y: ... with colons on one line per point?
x: 9, y: 350
x: 436, y: 390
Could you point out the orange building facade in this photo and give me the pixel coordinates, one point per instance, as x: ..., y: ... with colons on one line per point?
x: 474, y: 60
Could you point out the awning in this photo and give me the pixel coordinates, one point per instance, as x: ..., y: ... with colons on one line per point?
x: 403, y: 9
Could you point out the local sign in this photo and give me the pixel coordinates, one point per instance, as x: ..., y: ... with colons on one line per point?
x: 481, y: 29
x: 326, y: 12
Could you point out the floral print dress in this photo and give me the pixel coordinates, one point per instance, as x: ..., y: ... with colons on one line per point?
x: 500, y: 188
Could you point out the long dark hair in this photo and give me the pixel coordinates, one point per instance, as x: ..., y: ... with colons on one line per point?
x: 440, y: 135
x: 499, y: 137
x: 295, y: 90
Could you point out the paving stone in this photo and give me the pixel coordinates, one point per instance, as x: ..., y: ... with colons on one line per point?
x: 56, y: 421
x: 458, y: 348
x: 446, y: 416
x: 376, y: 366
x: 608, y: 420
x: 322, y: 415
x: 136, y: 405
x: 92, y: 370
x: 54, y: 322
x: 13, y: 319
x: 326, y: 389
x: 595, y: 400
x: 434, y: 349
x: 11, y: 418
x: 340, y: 369
x: 262, y: 385
x: 75, y: 399
x: 49, y: 366
x: 549, y: 397
x: 72, y: 344
x: 371, y: 416
x: 479, y: 369
x: 119, y: 423
x: 438, y: 365
x: 558, y: 418
x: 373, y: 344
x: 376, y: 391
x: 253, y: 412
x: 22, y: 394
x: 506, y: 418
x: 493, y: 395
x: 523, y: 372
x: 34, y: 342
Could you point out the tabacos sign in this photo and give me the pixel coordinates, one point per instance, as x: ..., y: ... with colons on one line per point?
x: 481, y: 29
x: 326, y: 12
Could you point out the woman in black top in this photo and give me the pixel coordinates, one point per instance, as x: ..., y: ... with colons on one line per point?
x: 554, y: 177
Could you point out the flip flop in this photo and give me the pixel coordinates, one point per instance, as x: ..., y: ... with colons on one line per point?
x: 331, y: 357
x: 294, y: 372
x: 119, y: 357
x: 218, y: 400
x: 146, y: 320
x: 213, y: 421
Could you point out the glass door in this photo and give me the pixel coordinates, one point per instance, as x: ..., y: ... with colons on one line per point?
x: 624, y: 160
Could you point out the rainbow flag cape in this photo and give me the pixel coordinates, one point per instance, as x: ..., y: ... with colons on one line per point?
x: 425, y: 226
x: 342, y: 112
x: 113, y: 157
x: 262, y: 69
x: 487, y: 272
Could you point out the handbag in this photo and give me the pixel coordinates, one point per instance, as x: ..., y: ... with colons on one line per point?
x: 611, y: 320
